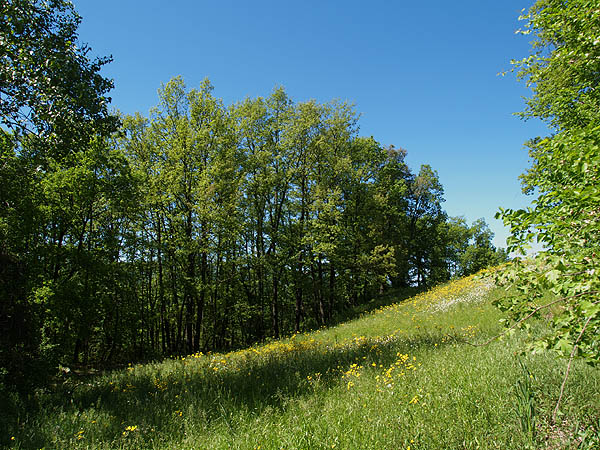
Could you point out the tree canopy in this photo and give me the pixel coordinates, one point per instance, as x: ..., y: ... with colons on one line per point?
x: 48, y: 85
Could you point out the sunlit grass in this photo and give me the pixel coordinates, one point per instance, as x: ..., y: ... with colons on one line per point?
x: 400, y: 377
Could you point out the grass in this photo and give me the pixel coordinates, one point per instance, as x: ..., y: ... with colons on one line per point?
x: 401, y: 377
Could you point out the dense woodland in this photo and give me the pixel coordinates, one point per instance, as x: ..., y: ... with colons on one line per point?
x: 205, y: 227
x: 201, y: 227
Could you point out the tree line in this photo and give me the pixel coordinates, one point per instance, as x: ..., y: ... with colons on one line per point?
x: 201, y: 227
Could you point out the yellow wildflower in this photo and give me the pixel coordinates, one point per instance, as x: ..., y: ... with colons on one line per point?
x: 128, y: 429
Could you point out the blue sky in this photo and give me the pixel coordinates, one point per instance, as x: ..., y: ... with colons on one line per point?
x: 424, y: 75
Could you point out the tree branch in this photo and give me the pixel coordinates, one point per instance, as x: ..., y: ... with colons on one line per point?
x: 562, y: 387
x: 529, y: 315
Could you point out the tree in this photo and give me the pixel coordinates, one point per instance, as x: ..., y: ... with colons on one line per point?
x: 563, y: 72
x: 54, y: 126
x: 393, y: 186
x: 425, y: 216
x: 48, y: 86
x: 480, y: 253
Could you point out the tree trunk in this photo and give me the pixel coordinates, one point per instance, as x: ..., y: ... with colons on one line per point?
x: 322, y: 314
x: 275, y: 306
x: 331, y: 290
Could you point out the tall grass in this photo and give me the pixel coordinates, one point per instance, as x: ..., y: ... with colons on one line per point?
x: 400, y: 377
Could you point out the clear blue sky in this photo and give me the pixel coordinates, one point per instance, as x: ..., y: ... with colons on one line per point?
x: 424, y: 75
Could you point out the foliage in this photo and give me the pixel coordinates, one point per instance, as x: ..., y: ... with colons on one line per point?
x: 564, y: 219
x: 201, y: 227
x: 57, y: 196
x: 270, y: 216
x: 480, y: 253
x: 48, y: 86
x: 208, y: 227
x: 525, y: 404
x: 563, y: 65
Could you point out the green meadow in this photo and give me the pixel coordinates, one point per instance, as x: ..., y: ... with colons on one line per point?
x: 403, y: 376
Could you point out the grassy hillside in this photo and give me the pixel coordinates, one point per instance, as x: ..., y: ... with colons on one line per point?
x: 402, y: 377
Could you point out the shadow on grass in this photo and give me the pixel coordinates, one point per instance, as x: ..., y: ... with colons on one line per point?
x: 171, y: 396
x: 386, y: 299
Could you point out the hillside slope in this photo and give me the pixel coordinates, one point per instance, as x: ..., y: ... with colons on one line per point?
x: 402, y: 377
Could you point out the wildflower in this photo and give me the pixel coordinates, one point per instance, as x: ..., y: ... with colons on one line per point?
x: 129, y: 429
